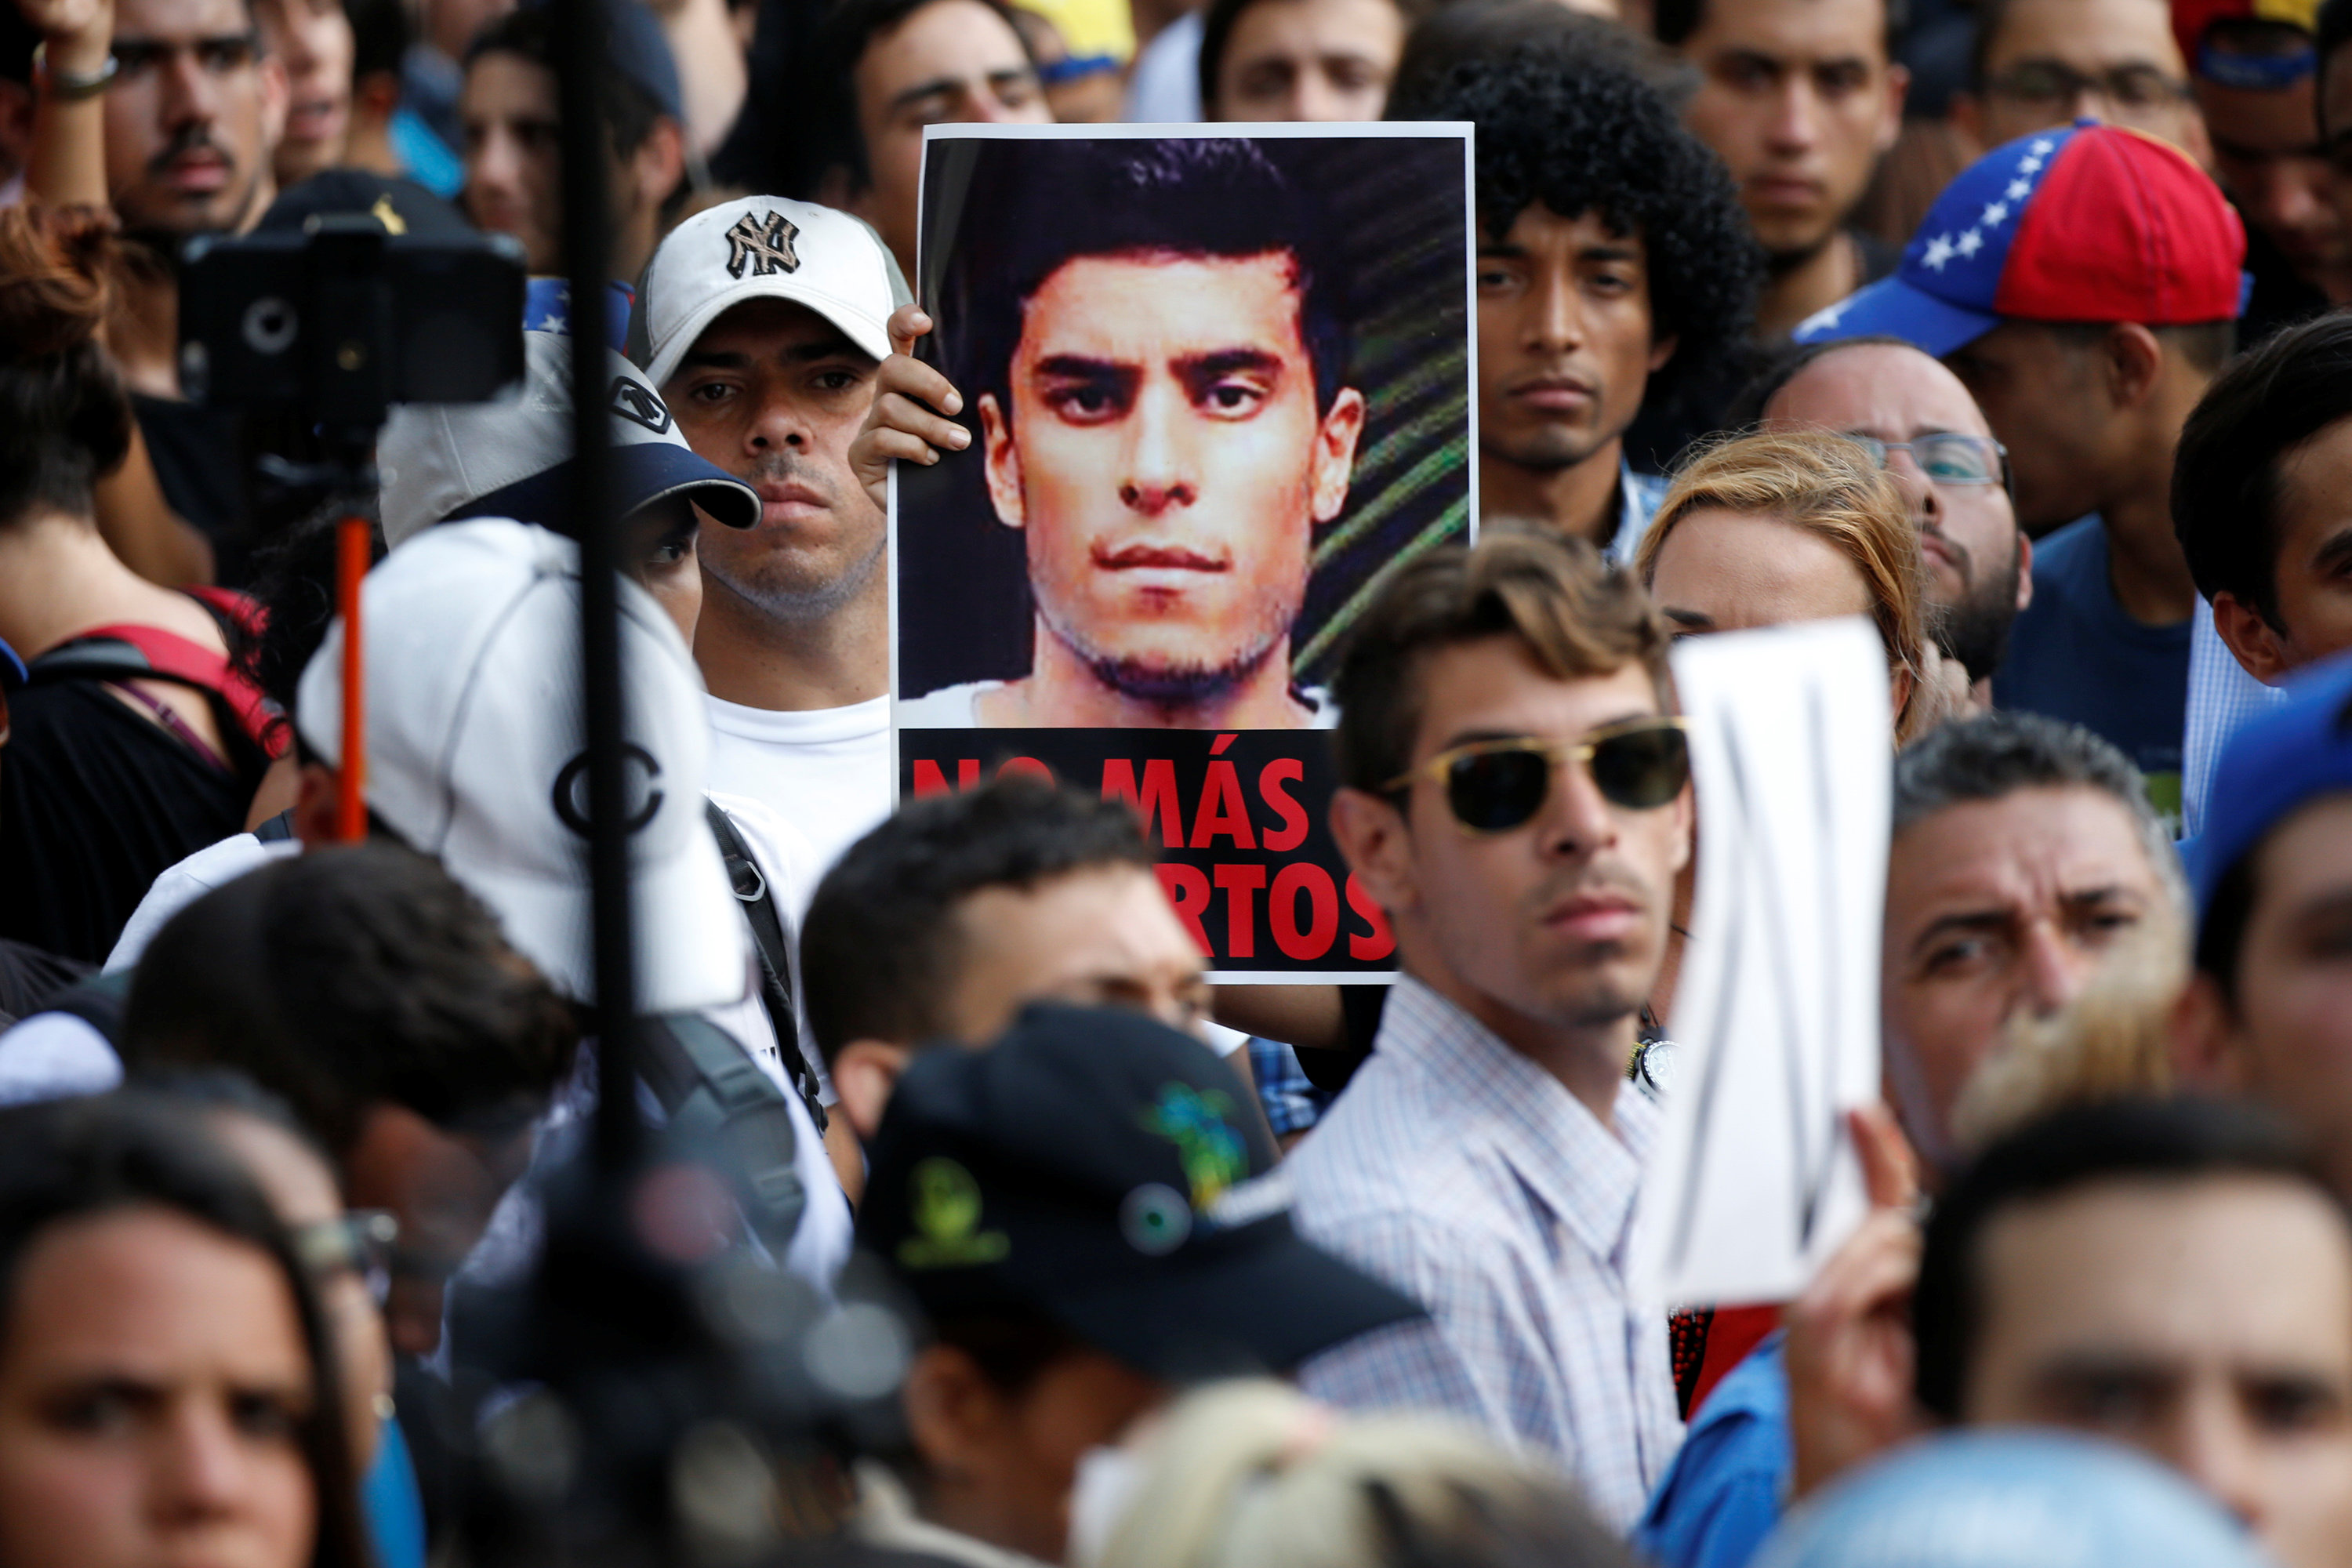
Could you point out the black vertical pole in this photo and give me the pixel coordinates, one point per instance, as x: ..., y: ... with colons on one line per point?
x: 581, y: 28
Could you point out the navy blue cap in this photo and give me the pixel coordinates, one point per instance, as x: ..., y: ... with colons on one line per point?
x: 641, y: 473
x: 1098, y: 1168
x: 2278, y: 762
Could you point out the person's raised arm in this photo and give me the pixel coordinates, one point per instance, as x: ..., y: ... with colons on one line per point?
x: 67, y: 166
x: 1850, y: 1351
x: 909, y: 420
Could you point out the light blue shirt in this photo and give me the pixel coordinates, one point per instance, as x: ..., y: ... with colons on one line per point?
x: 1459, y: 1172
x: 1723, y: 1494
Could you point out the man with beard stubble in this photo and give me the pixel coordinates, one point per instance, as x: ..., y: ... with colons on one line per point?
x: 1932, y: 439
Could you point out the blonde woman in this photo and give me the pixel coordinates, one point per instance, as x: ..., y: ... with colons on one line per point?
x: 1255, y: 1474
x: 1761, y: 530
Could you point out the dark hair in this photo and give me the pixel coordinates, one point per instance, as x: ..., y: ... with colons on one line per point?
x: 1484, y: 30
x: 880, y: 946
x: 1042, y: 204
x: 2225, y: 473
x: 1580, y: 132
x: 2141, y: 1141
x: 379, y: 36
x: 293, y: 584
x: 65, y: 421
x: 1579, y: 616
x: 344, y: 977
x: 73, y: 1160
x: 1992, y: 756
x: 2335, y: 32
x: 789, y: 140
x: 1219, y: 19
x: 1675, y: 20
x: 18, y: 38
x: 225, y: 1089
x: 629, y: 110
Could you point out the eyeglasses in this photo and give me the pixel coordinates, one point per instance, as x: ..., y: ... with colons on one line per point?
x: 1947, y: 460
x: 1493, y: 786
x: 2048, y: 84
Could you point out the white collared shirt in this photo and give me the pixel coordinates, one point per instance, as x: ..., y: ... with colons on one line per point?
x: 1464, y: 1174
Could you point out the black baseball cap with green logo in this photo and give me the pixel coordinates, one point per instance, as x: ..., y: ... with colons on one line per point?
x: 1100, y: 1167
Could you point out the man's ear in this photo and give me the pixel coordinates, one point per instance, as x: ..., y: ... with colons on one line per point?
x: 1968, y: 119
x: 954, y: 1415
x: 659, y: 162
x: 314, y: 807
x: 2251, y: 639
x: 2024, y: 570
x: 864, y: 1073
x: 2134, y: 364
x: 2208, y: 1055
x: 1661, y: 351
x: 276, y: 95
x: 1334, y: 452
x: 1374, y: 836
x: 1001, y: 462
x: 1899, y: 88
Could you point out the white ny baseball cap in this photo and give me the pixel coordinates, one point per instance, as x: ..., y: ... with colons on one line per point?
x: 442, y: 461
x: 475, y: 754
x: 763, y: 248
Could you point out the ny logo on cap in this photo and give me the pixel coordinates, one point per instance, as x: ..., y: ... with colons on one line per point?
x: 763, y: 245
x: 640, y: 405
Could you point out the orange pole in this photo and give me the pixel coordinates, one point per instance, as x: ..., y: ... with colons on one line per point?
x: 350, y: 568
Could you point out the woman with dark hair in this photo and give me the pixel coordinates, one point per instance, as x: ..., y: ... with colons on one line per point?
x: 135, y: 743
x: 167, y: 1387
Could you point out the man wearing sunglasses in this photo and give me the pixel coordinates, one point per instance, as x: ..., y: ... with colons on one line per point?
x: 1513, y: 793
x: 1917, y: 418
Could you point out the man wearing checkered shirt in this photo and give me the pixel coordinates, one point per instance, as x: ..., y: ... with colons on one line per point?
x: 1514, y: 794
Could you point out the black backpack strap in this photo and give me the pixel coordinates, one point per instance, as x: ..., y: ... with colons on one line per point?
x: 759, y: 902
x: 715, y: 1094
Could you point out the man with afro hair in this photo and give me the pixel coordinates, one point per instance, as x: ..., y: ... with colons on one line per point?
x: 1615, y: 264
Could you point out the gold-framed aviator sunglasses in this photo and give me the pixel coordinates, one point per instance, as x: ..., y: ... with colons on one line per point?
x: 1493, y: 786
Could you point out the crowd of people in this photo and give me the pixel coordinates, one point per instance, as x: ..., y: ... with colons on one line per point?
x: 2020, y: 329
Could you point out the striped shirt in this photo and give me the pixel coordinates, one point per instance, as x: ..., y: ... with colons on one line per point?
x: 1465, y: 1175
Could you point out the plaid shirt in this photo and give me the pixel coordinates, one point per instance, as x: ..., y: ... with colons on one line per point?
x: 1468, y: 1177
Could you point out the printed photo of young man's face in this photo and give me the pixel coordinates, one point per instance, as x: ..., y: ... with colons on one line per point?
x: 1163, y: 452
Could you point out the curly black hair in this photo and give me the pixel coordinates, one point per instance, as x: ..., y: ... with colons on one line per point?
x: 1580, y: 133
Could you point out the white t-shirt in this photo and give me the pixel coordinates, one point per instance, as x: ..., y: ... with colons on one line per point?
x: 826, y: 770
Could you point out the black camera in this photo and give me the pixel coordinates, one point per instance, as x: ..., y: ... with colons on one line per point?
x: 344, y: 320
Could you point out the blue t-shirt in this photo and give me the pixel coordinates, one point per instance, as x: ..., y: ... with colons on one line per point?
x: 1721, y: 1497
x: 2075, y: 655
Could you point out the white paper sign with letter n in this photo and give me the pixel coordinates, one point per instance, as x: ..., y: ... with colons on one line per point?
x: 1754, y: 1181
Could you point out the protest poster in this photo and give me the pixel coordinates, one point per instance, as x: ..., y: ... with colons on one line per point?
x: 1754, y: 1180
x: 1218, y: 382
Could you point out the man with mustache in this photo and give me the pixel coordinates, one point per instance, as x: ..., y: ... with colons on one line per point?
x: 762, y: 321
x: 1928, y: 432
x: 1157, y: 358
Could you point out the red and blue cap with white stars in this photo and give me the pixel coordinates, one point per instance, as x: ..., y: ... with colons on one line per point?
x: 2089, y: 222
